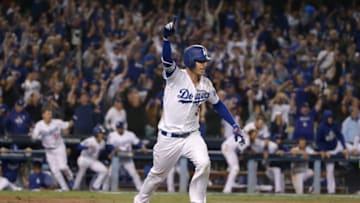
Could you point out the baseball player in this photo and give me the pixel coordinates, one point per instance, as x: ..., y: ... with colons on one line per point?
x: 5, y: 183
x: 260, y: 126
x: 90, y: 149
x: 229, y: 149
x: 49, y: 130
x: 266, y: 147
x: 122, y: 140
x: 178, y: 134
x: 39, y: 179
x: 330, y: 141
x: 300, y: 170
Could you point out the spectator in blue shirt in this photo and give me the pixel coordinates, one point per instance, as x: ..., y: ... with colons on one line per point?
x: 85, y: 116
x: 18, y: 122
x: 351, y: 130
x: 330, y: 141
x: 39, y: 179
x: 304, y: 123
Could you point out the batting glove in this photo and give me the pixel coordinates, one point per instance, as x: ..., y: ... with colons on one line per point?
x: 169, y: 29
x: 238, y: 134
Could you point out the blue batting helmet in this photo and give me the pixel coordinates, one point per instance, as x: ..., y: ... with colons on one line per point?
x: 195, y: 53
x: 98, y: 129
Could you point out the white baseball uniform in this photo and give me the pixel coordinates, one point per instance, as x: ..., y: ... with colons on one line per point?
x: 179, y: 134
x: 258, y: 146
x: 113, y: 116
x: 6, y: 184
x: 89, y: 159
x: 55, y: 151
x: 229, y: 149
x: 124, y: 142
x: 262, y: 133
x: 300, y: 171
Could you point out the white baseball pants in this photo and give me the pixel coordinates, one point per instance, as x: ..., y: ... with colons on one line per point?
x: 167, y: 152
x: 84, y: 163
x: 232, y: 160
x: 57, y: 160
x: 330, y: 166
x: 6, y: 184
x: 298, y: 180
x: 275, y: 174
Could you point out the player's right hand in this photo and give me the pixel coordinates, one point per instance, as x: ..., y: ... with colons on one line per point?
x: 169, y: 29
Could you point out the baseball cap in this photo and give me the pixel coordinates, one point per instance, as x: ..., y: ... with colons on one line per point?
x: 20, y: 102
x: 305, y: 104
x: 119, y: 124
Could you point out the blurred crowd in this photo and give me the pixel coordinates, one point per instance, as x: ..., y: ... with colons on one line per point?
x: 100, y: 62
x: 86, y: 58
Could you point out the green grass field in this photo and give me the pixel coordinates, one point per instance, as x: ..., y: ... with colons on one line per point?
x: 123, y: 197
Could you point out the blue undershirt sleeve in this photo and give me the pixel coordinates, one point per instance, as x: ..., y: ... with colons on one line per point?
x: 82, y: 147
x: 224, y: 112
x: 167, y: 61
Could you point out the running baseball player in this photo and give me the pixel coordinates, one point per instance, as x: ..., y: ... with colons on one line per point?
x: 90, y: 149
x: 122, y: 140
x: 49, y: 130
x: 178, y: 134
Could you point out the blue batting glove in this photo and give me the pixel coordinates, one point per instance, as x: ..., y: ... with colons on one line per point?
x: 238, y: 134
x: 169, y: 29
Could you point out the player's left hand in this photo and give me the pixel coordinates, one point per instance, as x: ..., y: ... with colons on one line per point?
x: 169, y: 29
x: 238, y: 134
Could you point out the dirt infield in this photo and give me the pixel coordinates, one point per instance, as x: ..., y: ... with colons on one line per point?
x: 88, y: 197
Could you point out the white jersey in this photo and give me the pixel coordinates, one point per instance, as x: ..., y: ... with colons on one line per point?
x: 94, y: 151
x: 262, y: 133
x: 182, y: 101
x: 113, y: 116
x: 301, y: 166
x: 124, y: 142
x: 50, y: 134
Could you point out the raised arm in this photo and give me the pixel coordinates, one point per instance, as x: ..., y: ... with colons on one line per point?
x: 168, y: 63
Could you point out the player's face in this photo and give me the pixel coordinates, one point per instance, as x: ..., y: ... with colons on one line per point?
x: 120, y: 130
x: 47, y: 116
x: 200, y: 68
x: 302, y: 143
x: 252, y: 135
x: 18, y: 108
x: 118, y: 105
x: 330, y: 120
x: 100, y: 137
x: 259, y: 124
